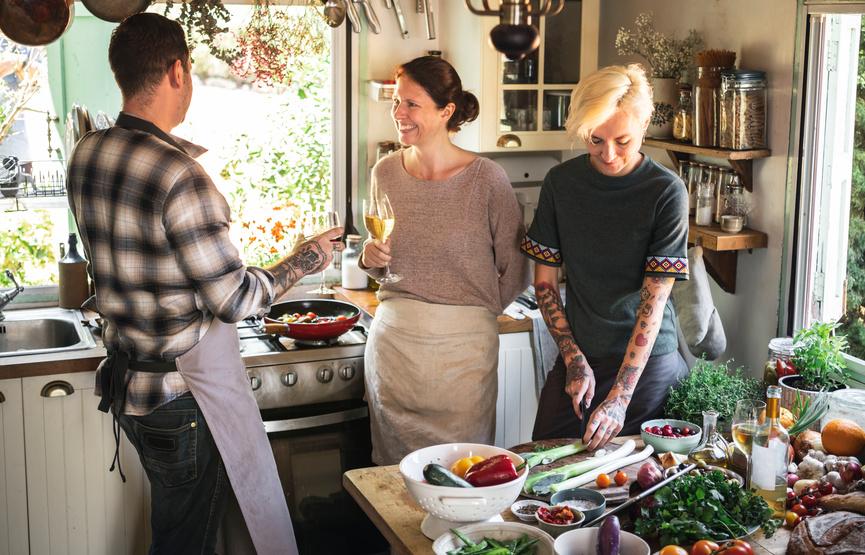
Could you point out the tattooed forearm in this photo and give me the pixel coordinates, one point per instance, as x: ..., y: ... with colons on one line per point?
x: 553, y: 312
x: 307, y: 259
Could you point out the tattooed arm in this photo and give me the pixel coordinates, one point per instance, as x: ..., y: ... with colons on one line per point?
x: 579, y: 377
x: 311, y: 256
x: 609, y: 418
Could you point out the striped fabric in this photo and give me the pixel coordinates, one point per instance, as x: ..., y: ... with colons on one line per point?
x: 155, y: 230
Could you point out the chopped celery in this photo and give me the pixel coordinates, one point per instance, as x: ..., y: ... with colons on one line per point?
x: 540, y: 483
x: 554, y: 454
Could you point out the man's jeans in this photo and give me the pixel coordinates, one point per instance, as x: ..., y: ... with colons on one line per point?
x: 188, y: 483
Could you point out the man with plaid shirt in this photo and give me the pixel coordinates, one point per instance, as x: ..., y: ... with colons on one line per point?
x: 155, y: 230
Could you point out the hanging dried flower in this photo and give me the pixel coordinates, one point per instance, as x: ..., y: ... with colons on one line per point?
x: 666, y: 56
x: 204, y: 20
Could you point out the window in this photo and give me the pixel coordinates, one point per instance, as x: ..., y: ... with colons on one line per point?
x: 830, y: 249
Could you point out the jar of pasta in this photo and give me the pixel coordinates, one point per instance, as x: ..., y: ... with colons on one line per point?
x: 742, y: 124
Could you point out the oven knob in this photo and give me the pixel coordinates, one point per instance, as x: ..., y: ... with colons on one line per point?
x: 289, y: 379
x: 346, y: 372
x: 255, y: 382
x: 324, y: 375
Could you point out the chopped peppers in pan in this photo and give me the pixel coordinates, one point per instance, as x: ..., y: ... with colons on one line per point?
x: 492, y: 471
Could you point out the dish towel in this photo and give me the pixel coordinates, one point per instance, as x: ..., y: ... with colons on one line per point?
x: 699, y: 321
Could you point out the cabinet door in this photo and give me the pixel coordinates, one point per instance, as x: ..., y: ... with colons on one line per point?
x: 75, y: 504
x: 517, y: 400
x: 13, y: 488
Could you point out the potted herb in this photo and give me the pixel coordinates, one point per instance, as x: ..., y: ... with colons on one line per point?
x: 819, y: 362
x: 710, y: 386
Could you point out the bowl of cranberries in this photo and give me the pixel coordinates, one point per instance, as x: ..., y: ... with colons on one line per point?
x: 665, y: 435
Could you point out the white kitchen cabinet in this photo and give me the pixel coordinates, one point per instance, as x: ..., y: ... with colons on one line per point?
x: 517, y: 400
x: 13, y: 490
x: 523, y: 105
x: 75, y: 505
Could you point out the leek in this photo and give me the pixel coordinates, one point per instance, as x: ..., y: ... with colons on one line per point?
x: 609, y: 468
x: 541, y: 483
x: 554, y: 454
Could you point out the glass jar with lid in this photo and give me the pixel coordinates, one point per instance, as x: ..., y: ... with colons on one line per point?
x: 779, y: 363
x: 705, y: 201
x: 713, y: 449
x: 694, y: 177
x: 846, y: 403
x: 683, y: 118
x: 352, y: 275
x: 743, y: 106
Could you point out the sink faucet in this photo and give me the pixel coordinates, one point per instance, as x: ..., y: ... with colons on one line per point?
x: 6, y: 298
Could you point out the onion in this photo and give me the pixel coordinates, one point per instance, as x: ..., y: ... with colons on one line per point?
x: 791, y: 479
x: 649, y: 475
x: 852, y: 471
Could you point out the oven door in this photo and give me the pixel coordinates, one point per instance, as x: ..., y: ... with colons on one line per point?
x: 312, y: 452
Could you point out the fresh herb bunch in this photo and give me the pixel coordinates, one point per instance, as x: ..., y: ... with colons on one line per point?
x: 700, y: 506
x: 710, y: 386
x: 817, y: 356
x: 204, y: 21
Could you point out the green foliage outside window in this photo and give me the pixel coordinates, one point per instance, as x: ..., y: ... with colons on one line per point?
x: 27, y: 248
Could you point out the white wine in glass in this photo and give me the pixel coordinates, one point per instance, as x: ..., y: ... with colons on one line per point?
x: 379, y: 219
x: 748, y: 415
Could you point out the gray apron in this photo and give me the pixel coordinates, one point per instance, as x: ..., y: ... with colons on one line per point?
x: 217, y: 379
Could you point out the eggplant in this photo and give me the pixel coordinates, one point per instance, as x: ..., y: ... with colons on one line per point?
x: 608, y: 536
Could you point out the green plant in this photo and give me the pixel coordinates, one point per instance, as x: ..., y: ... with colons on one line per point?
x: 26, y: 248
x: 817, y: 356
x: 710, y: 386
x: 807, y: 412
x: 666, y: 56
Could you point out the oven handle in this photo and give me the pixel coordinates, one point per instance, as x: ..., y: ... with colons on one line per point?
x: 293, y: 424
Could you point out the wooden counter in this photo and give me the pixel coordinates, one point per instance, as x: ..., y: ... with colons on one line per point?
x: 381, y: 494
x: 367, y: 301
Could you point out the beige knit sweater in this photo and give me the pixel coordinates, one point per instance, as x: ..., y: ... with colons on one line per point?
x: 455, y: 241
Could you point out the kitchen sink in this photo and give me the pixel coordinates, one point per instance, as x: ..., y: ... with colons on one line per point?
x: 43, y: 330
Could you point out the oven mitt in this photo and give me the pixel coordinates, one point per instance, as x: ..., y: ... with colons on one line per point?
x: 699, y: 320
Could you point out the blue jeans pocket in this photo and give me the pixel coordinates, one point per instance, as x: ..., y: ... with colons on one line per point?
x: 168, y: 446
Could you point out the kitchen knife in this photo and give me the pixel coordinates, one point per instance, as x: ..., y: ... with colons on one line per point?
x: 372, y: 19
x: 353, y: 17
x: 400, y: 17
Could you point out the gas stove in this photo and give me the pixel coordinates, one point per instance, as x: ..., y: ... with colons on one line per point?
x: 284, y: 372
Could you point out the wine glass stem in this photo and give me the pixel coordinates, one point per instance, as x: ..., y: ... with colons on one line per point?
x: 747, y: 471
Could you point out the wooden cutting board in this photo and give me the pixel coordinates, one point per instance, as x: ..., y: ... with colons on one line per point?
x: 613, y: 494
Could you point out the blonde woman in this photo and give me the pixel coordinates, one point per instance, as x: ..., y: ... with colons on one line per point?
x: 618, y: 222
x: 432, y: 353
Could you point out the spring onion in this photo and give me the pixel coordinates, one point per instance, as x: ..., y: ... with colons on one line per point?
x: 609, y: 468
x: 554, y: 454
x: 540, y: 483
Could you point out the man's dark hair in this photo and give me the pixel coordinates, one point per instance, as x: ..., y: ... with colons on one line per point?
x: 142, y: 49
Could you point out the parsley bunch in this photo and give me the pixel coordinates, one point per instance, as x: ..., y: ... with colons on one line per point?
x: 710, y: 386
x: 700, y: 506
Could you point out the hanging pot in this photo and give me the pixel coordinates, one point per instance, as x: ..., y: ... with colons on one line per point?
x: 35, y: 22
x: 115, y: 11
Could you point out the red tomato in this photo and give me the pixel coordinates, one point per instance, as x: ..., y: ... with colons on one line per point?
x: 741, y: 546
x: 704, y: 547
x: 311, y: 315
x: 672, y: 550
x: 799, y: 509
x: 620, y: 478
x: 341, y: 317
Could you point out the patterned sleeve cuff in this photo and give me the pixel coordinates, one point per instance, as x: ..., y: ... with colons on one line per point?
x: 540, y: 253
x: 669, y: 266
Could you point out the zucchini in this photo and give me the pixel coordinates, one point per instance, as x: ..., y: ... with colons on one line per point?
x: 438, y: 475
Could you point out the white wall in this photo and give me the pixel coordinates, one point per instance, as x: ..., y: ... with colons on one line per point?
x: 763, y: 35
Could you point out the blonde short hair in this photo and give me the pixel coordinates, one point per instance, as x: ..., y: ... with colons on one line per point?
x: 597, y: 97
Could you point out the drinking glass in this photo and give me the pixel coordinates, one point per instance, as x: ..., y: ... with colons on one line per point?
x: 379, y: 219
x: 325, y: 221
x: 747, y: 417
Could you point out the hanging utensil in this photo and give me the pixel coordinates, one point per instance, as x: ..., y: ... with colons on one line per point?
x: 35, y: 22
x: 430, y: 20
x: 353, y: 17
x: 400, y: 18
x: 334, y: 12
x: 371, y: 17
x: 115, y: 10
x: 388, y: 4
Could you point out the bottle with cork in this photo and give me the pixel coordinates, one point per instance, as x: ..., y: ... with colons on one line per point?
x: 73, y: 285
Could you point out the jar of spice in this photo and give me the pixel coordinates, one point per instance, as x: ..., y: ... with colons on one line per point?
x: 683, y: 118
x: 779, y: 363
x: 705, y: 202
x: 742, y: 123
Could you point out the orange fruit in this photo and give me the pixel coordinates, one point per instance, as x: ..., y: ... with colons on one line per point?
x: 843, y: 437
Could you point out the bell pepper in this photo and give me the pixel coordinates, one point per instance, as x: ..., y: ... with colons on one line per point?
x: 464, y: 464
x: 492, y: 471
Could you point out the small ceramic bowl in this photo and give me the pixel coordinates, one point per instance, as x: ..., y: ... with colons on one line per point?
x: 662, y: 444
x: 524, y: 505
x: 555, y: 529
x: 590, y: 502
x: 585, y: 541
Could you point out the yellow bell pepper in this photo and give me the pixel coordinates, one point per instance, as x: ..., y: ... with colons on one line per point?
x: 462, y: 465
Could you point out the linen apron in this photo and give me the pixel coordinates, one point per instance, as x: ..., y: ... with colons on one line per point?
x: 431, y: 376
x: 215, y: 374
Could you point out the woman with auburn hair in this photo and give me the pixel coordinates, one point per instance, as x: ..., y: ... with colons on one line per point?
x: 618, y: 222
x: 432, y: 353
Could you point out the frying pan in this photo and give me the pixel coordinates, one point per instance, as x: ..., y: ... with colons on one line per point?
x: 35, y: 22
x: 312, y: 332
x: 115, y: 10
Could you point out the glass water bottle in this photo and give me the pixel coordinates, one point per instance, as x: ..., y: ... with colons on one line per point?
x: 713, y: 449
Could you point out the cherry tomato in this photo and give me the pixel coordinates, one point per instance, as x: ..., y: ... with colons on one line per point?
x: 672, y: 550
x: 734, y: 550
x: 603, y: 481
x: 341, y: 317
x: 799, y: 509
x: 311, y: 315
x: 826, y: 488
x: 809, y: 501
x: 620, y: 478
x: 790, y: 519
x: 740, y: 544
x: 704, y: 547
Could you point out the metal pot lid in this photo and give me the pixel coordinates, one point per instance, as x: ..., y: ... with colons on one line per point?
x: 115, y: 11
x: 35, y: 22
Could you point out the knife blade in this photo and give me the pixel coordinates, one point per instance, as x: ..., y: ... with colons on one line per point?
x: 400, y: 17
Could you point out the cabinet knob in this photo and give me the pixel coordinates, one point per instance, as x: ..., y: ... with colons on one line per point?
x: 57, y: 389
x: 509, y: 140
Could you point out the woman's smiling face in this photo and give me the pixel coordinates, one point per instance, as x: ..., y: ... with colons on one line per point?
x: 614, y: 146
x: 415, y: 113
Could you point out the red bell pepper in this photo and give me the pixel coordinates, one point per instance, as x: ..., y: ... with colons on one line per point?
x: 492, y: 471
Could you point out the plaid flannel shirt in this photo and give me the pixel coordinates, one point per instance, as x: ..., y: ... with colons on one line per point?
x: 155, y: 231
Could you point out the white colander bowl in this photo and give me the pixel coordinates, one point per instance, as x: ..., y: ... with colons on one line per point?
x: 459, y: 504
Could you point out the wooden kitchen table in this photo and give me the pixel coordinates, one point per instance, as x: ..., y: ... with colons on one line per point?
x: 381, y: 494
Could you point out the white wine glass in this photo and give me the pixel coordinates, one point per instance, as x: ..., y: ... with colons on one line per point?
x: 748, y: 415
x: 325, y: 221
x: 380, y: 220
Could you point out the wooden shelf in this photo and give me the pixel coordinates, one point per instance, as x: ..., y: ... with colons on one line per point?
x: 721, y: 250
x: 740, y: 160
